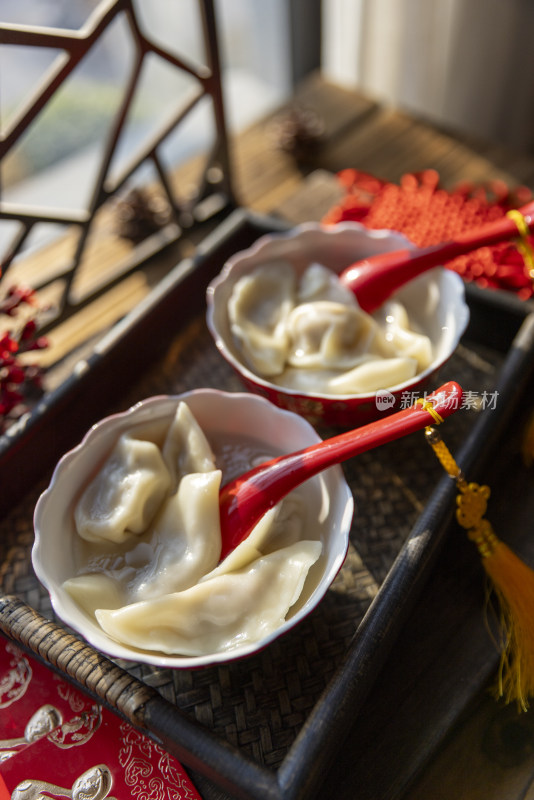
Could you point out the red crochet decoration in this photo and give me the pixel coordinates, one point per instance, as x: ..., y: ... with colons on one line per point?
x: 428, y: 214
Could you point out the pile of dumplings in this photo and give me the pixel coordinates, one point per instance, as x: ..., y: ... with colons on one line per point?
x: 310, y: 335
x: 148, y: 546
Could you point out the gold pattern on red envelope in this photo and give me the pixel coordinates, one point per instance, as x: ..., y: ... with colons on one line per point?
x: 16, y: 678
x: 56, y: 742
x: 94, y: 784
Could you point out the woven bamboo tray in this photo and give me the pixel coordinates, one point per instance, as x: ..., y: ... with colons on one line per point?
x: 271, y: 725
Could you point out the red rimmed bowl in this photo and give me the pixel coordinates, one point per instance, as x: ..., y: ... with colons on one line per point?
x: 435, y: 302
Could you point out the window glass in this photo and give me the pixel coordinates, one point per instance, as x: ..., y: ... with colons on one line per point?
x: 56, y: 161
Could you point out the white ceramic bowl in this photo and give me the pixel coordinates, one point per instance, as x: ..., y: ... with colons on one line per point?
x: 435, y: 302
x: 327, y: 498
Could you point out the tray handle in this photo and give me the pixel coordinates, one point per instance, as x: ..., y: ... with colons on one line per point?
x: 70, y: 656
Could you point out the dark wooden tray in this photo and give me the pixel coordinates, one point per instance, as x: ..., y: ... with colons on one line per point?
x: 326, y: 704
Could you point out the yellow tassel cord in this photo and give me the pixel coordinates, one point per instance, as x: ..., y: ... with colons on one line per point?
x: 523, y: 243
x: 511, y: 579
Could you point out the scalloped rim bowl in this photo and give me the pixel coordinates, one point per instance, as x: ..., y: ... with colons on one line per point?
x: 435, y: 301
x: 328, y: 499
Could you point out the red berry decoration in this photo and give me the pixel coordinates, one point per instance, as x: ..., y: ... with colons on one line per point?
x: 20, y: 382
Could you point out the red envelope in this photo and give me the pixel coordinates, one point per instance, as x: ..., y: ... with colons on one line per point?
x: 57, y: 740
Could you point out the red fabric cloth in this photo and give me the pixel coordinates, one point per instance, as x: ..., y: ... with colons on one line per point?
x: 55, y: 739
x: 428, y: 214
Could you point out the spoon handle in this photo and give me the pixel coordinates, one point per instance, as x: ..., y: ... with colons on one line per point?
x: 244, y: 500
x: 374, y: 279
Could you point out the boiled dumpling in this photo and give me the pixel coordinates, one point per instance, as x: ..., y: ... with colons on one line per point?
x: 185, y: 539
x: 220, y: 614
x: 126, y: 494
x: 320, y: 283
x: 186, y: 448
x: 368, y: 376
x: 94, y: 591
x: 280, y: 526
x: 250, y: 549
x: 307, y: 380
x: 372, y: 375
x: 330, y: 335
x: 183, y: 543
x: 257, y: 310
x: 288, y: 524
x: 404, y: 340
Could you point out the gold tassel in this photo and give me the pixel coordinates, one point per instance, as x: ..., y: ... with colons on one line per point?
x: 511, y: 579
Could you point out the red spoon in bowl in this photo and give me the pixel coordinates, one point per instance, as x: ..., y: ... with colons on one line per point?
x: 244, y: 500
x: 374, y: 279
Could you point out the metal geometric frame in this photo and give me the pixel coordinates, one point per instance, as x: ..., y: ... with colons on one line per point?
x: 216, y: 193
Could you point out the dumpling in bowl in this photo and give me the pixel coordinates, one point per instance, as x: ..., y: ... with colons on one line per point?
x: 401, y: 337
x: 368, y: 376
x: 220, y: 613
x: 181, y: 545
x: 330, y: 335
x: 258, y: 310
x: 320, y: 283
x: 313, y: 337
x: 162, y: 587
x: 126, y: 494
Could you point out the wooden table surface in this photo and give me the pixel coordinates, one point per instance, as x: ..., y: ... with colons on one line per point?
x: 489, y: 752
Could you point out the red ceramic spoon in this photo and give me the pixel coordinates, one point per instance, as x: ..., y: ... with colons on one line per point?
x: 245, y: 500
x: 374, y: 279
